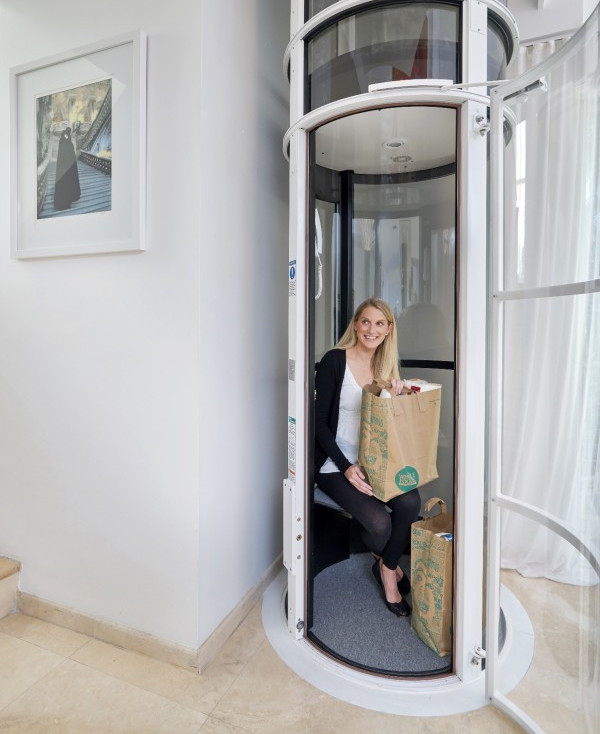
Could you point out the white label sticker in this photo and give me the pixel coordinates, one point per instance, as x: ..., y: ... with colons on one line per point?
x: 291, y: 446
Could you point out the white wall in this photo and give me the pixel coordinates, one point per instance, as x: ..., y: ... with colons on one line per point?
x: 243, y: 296
x: 109, y: 424
x: 554, y: 18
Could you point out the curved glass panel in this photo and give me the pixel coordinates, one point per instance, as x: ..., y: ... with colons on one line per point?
x: 327, y: 273
x: 552, y: 178
x: 551, y: 404
x: 315, y: 6
x: 545, y: 389
x: 497, y: 53
x: 408, y: 258
x: 390, y: 43
x: 560, y: 688
x: 382, y: 218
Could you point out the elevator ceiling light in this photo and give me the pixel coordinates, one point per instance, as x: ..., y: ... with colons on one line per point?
x: 394, y: 143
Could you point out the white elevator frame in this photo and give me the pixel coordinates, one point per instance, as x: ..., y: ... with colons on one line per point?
x: 471, y: 101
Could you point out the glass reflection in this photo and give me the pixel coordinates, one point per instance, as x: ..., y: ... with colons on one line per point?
x: 552, y: 203
x: 327, y: 266
x: 390, y: 43
x: 551, y: 405
x: 496, y: 64
x: 405, y: 254
x: 564, y: 609
x: 315, y: 6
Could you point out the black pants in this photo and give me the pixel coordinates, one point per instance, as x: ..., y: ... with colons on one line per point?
x: 384, y: 533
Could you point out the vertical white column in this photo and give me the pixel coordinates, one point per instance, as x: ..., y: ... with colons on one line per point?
x: 474, y: 51
x: 471, y: 394
x: 294, y: 487
x: 296, y: 63
x: 296, y: 16
x: 295, y: 484
x: 495, y: 380
x: 471, y: 352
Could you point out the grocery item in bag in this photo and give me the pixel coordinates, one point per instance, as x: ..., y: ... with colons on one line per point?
x: 399, y: 438
x: 431, y: 550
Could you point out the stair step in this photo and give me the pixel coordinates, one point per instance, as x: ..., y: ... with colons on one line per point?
x: 9, y: 581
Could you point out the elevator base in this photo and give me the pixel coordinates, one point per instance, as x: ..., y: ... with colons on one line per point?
x: 434, y: 697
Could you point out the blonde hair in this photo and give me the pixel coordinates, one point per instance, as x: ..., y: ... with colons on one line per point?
x: 384, y: 362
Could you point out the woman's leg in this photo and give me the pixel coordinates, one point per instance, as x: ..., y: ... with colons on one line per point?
x: 379, y: 528
x: 375, y: 520
x: 405, y: 510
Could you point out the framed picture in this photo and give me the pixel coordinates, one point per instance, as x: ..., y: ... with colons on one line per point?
x: 78, y: 145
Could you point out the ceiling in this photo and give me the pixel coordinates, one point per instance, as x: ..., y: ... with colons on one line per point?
x: 390, y: 140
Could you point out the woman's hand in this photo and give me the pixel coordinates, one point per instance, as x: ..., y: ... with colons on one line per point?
x: 357, y: 479
x: 397, y: 386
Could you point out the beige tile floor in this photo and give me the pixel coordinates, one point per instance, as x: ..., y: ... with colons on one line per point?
x: 561, y: 689
x: 56, y: 680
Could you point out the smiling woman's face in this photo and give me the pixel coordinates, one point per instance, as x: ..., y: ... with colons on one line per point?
x: 371, y: 327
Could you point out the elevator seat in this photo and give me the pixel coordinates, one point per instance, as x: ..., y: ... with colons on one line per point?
x: 333, y: 532
x: 321, y: 498
x: 324, y: 499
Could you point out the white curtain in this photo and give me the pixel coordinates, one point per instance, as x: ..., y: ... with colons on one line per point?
x: 551, y: 367
x: 532, y: 54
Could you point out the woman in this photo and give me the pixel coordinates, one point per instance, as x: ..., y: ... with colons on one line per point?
x: 367, y: 351
x: 66, y: 185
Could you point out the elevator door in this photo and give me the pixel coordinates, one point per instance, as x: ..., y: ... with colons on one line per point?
x: 383, y: 205
x: 544, y: 303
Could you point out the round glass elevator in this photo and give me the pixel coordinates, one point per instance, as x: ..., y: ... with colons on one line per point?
x: 389, y: 197
x: 388, y: 159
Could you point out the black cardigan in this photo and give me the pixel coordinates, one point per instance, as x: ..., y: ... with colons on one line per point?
x: 328, y: 387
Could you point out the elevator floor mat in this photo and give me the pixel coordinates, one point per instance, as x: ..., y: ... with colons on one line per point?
x: 351, y: 621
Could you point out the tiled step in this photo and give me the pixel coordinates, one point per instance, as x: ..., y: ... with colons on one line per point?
x: 9, y: 580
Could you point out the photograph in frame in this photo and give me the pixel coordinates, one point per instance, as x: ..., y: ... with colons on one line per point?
x: 78, y: 151
x: 74, y: 150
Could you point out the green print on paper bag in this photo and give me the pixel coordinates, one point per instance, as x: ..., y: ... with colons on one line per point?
x: 374, y: 436
x: 407, y: 478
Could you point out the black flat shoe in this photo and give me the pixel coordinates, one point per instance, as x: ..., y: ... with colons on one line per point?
x: 403, y: 584
x: 399, y: 608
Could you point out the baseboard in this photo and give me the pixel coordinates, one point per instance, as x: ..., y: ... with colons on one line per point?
x: 114, y: 634
x: 141, y: 642
x: 232, y: 621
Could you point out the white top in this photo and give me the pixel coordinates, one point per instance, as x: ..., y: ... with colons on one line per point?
x: 348, y: 429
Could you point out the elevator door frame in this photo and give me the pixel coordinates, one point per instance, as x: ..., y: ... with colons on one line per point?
x: 469, y: 462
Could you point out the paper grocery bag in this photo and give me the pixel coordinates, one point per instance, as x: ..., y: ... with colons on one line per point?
x: 431, y: 577
x: 399, y: 439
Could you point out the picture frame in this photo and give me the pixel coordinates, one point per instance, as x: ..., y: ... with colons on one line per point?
x: 78, y: 150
